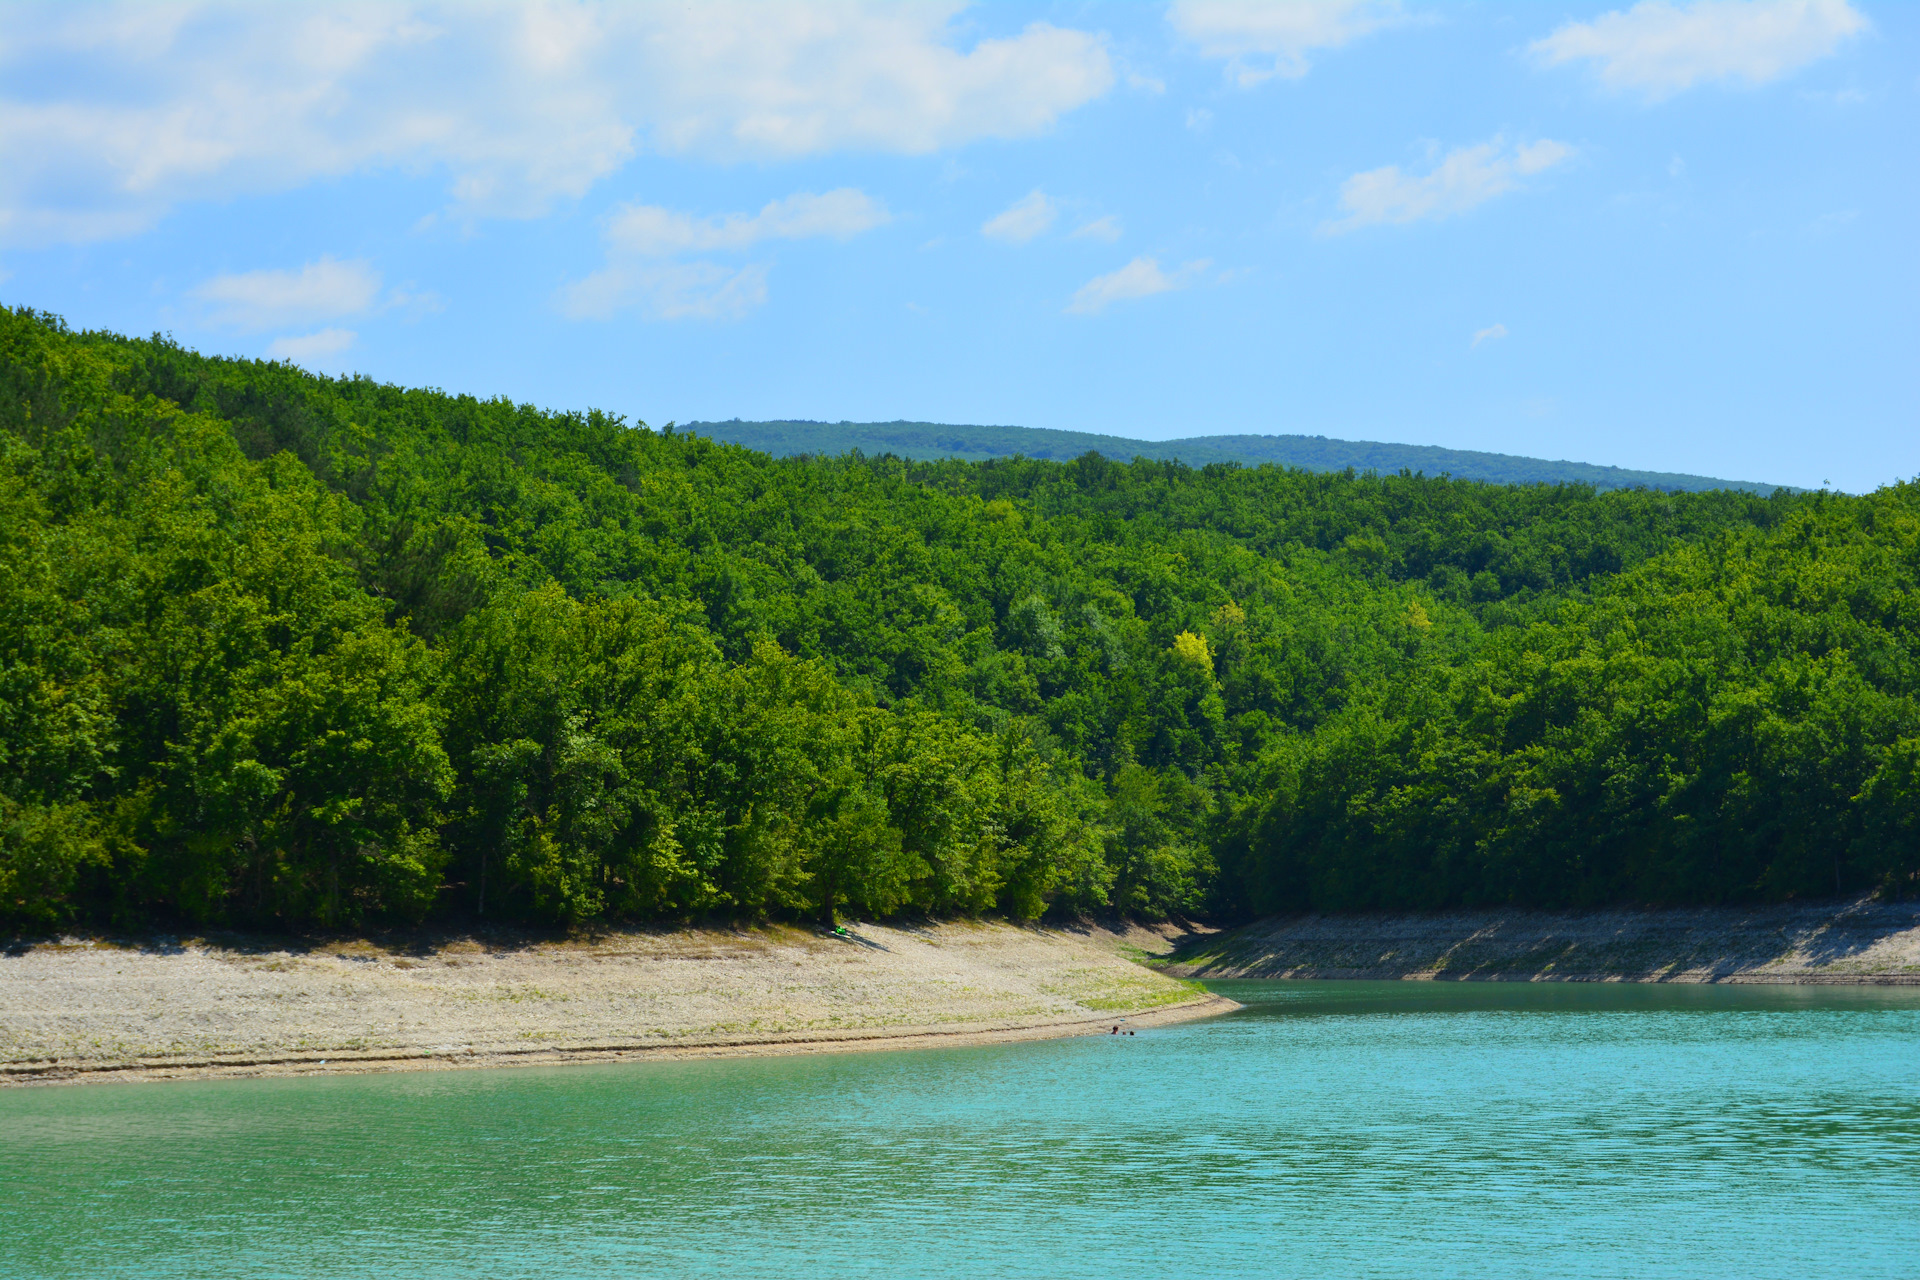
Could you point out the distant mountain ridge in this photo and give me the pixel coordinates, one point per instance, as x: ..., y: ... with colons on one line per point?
x: 930, y: 440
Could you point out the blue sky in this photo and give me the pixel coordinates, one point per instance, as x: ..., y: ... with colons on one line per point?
x: 1670, y: 236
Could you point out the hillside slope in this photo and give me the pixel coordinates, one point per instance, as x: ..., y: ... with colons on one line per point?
x: 283, y: 650
x: 927, y: 441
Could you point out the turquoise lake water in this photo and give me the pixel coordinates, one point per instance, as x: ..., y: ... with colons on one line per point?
x: 1329, y: 1130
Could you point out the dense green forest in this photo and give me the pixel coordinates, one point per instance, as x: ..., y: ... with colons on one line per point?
x: 281, y: 650
x: 933, y: 441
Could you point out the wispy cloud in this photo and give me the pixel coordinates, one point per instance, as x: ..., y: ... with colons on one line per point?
x: 1465, y: 178
x: 1141, y: 278
x: 669, y: 291
x: 311, y: 346
x: 1021, y: 221
x: 1261, y: 39
x: 642, y: 240
x: 324, y: 290
x: 1492, y: 333
x: 1105, y: 229
x: 1657, y: 49
x: 113, y: 113
x: 650, y: 231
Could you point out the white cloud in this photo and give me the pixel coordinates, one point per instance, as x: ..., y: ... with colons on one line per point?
x: 1021, y: 221
x: 1492, y: 333
x: 667, y: 291
x: 641, y: 238
x: 1261, y: 39
x: 412, y: 304
x: 112, y: 113
x: 1467, y: 177
x: 322, y: 290
x: 311, y: 346
x: 1141, y: 278
x: 1105, y: 229
x: 649, y: 231
x: 1658, y: 49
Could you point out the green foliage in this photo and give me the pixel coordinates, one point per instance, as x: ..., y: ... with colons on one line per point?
x: 1734, y: 720
x: 283, y: 649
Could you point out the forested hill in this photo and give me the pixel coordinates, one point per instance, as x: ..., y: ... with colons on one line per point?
x: 284, y: 650
x: 929, y: 441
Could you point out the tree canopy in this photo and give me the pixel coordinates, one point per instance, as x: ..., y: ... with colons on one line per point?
x: 286, y: 650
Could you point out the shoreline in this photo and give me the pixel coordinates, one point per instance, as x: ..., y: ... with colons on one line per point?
x: 87, y: 1010
x: 95, y: 1010
x: 25, y: 1073
x: 1852, y: 942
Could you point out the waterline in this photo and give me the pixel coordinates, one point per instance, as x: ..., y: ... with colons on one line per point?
x: 1327, y: 1129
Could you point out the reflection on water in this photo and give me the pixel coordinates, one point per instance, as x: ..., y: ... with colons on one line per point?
x: 1330, y: 1129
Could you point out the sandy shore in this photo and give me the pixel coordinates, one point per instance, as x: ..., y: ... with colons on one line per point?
x: 102, y: 1009
x: 95, y: 1009
x: 1861, y: 942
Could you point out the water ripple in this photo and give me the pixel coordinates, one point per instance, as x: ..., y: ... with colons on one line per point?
x: 1329, y: 1130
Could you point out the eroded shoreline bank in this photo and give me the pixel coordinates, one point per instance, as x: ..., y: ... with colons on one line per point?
x: 94, y: 1009
x: 1859, y: 941
x: 99, y: 1009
